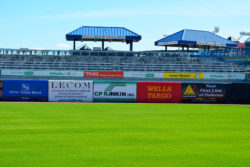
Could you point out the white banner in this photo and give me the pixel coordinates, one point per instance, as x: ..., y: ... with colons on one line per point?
x: 41, y: 73
x: 115, y: 91
x: 143, y: 75
x: 70, y: 91
x: 221, y: 76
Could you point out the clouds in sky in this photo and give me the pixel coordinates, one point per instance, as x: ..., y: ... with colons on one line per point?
x: 201, y: 10
x: 63, y: 46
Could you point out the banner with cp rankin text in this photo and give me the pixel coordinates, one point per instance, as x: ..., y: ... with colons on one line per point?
x: 114, y: 91
x: 70, y: 91
x: 158, y: 92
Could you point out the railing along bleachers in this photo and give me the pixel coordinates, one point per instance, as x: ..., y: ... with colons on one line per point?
x: 171, y: 61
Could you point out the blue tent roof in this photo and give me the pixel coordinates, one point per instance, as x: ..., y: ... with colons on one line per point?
x: 195, y: 38
x: 88, y: 33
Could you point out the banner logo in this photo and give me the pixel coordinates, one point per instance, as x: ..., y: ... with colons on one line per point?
x: 113, y: 85
x: 25, y: 87
x: 189, y: 91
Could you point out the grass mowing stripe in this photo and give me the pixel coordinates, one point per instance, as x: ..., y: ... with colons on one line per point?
x: 61, y: 134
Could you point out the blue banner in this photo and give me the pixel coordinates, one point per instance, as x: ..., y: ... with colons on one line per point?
x: 1, y: 89
x: 25, y: 90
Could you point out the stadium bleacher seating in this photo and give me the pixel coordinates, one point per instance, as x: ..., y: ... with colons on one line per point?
x: 171, y: 61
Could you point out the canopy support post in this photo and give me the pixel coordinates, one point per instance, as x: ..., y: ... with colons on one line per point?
x: 131, y: 46
x: 74, y: 45
x: 102, y: 45
x: 166, y: 48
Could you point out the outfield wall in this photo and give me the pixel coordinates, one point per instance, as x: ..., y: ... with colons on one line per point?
x: 123, y: 91
x: 240, y: 93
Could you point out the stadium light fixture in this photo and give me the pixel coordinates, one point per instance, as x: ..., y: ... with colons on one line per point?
x: 216, y: 30
x: 244, y: 34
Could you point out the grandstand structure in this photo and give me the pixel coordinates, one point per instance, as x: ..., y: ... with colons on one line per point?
x: 221, y: 59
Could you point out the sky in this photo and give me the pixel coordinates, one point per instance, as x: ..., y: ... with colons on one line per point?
x: 43, y: 24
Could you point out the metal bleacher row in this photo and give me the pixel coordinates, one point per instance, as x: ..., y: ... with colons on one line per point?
x: 171, y: 61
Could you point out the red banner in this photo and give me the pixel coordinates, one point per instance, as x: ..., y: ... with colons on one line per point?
x: 158, y: 92
x: 103, y: 74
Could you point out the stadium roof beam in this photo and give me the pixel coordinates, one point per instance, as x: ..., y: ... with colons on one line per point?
x: 102, y: 34
x: 195, y: 39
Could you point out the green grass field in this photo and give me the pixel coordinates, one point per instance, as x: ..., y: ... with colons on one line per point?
x: 124, y: 135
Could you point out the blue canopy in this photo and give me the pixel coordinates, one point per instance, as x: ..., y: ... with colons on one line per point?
x: 195, y: 38
x: 88, y: 33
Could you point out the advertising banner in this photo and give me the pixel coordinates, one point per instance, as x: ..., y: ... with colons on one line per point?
x: 204, y: 93
x: 158, y: 92
x: 25, y: 90
x: 42, y: 73
x: 114, y: 91
x: 221, y: 76
x: 70, y: 91
x: 103, y: 74
x: 1, y: 89
x: 182, y: 75
x: 143, y: 75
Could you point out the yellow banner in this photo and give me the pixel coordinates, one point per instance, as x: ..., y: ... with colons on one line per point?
x: 183, y: 75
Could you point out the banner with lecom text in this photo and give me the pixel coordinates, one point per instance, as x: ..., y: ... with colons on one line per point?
x: 205, y: 93
x: 70, y: 91
x: 103, y: 74
x: 114, y: 91
x: 169, y: 75
x: 158, y: 92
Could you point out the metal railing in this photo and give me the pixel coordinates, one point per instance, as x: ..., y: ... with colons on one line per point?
x: 176, y: 61
x: 233, y: 52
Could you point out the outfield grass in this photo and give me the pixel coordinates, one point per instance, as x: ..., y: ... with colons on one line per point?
x: 124, y: 135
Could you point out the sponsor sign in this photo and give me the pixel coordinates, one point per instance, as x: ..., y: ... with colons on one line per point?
x: 168, y: 43
x: 102, y: 37
x: 103, y: 74
x: 183, y: 75
x: 42, y: 73
x: 143, y: 75
x: 25, y: 90
x: 70, y: 91
x: 215, y: 93
x: 112, y: 91
x: 1, y: 89
x: 158, y: 92
x: 221, y: 76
